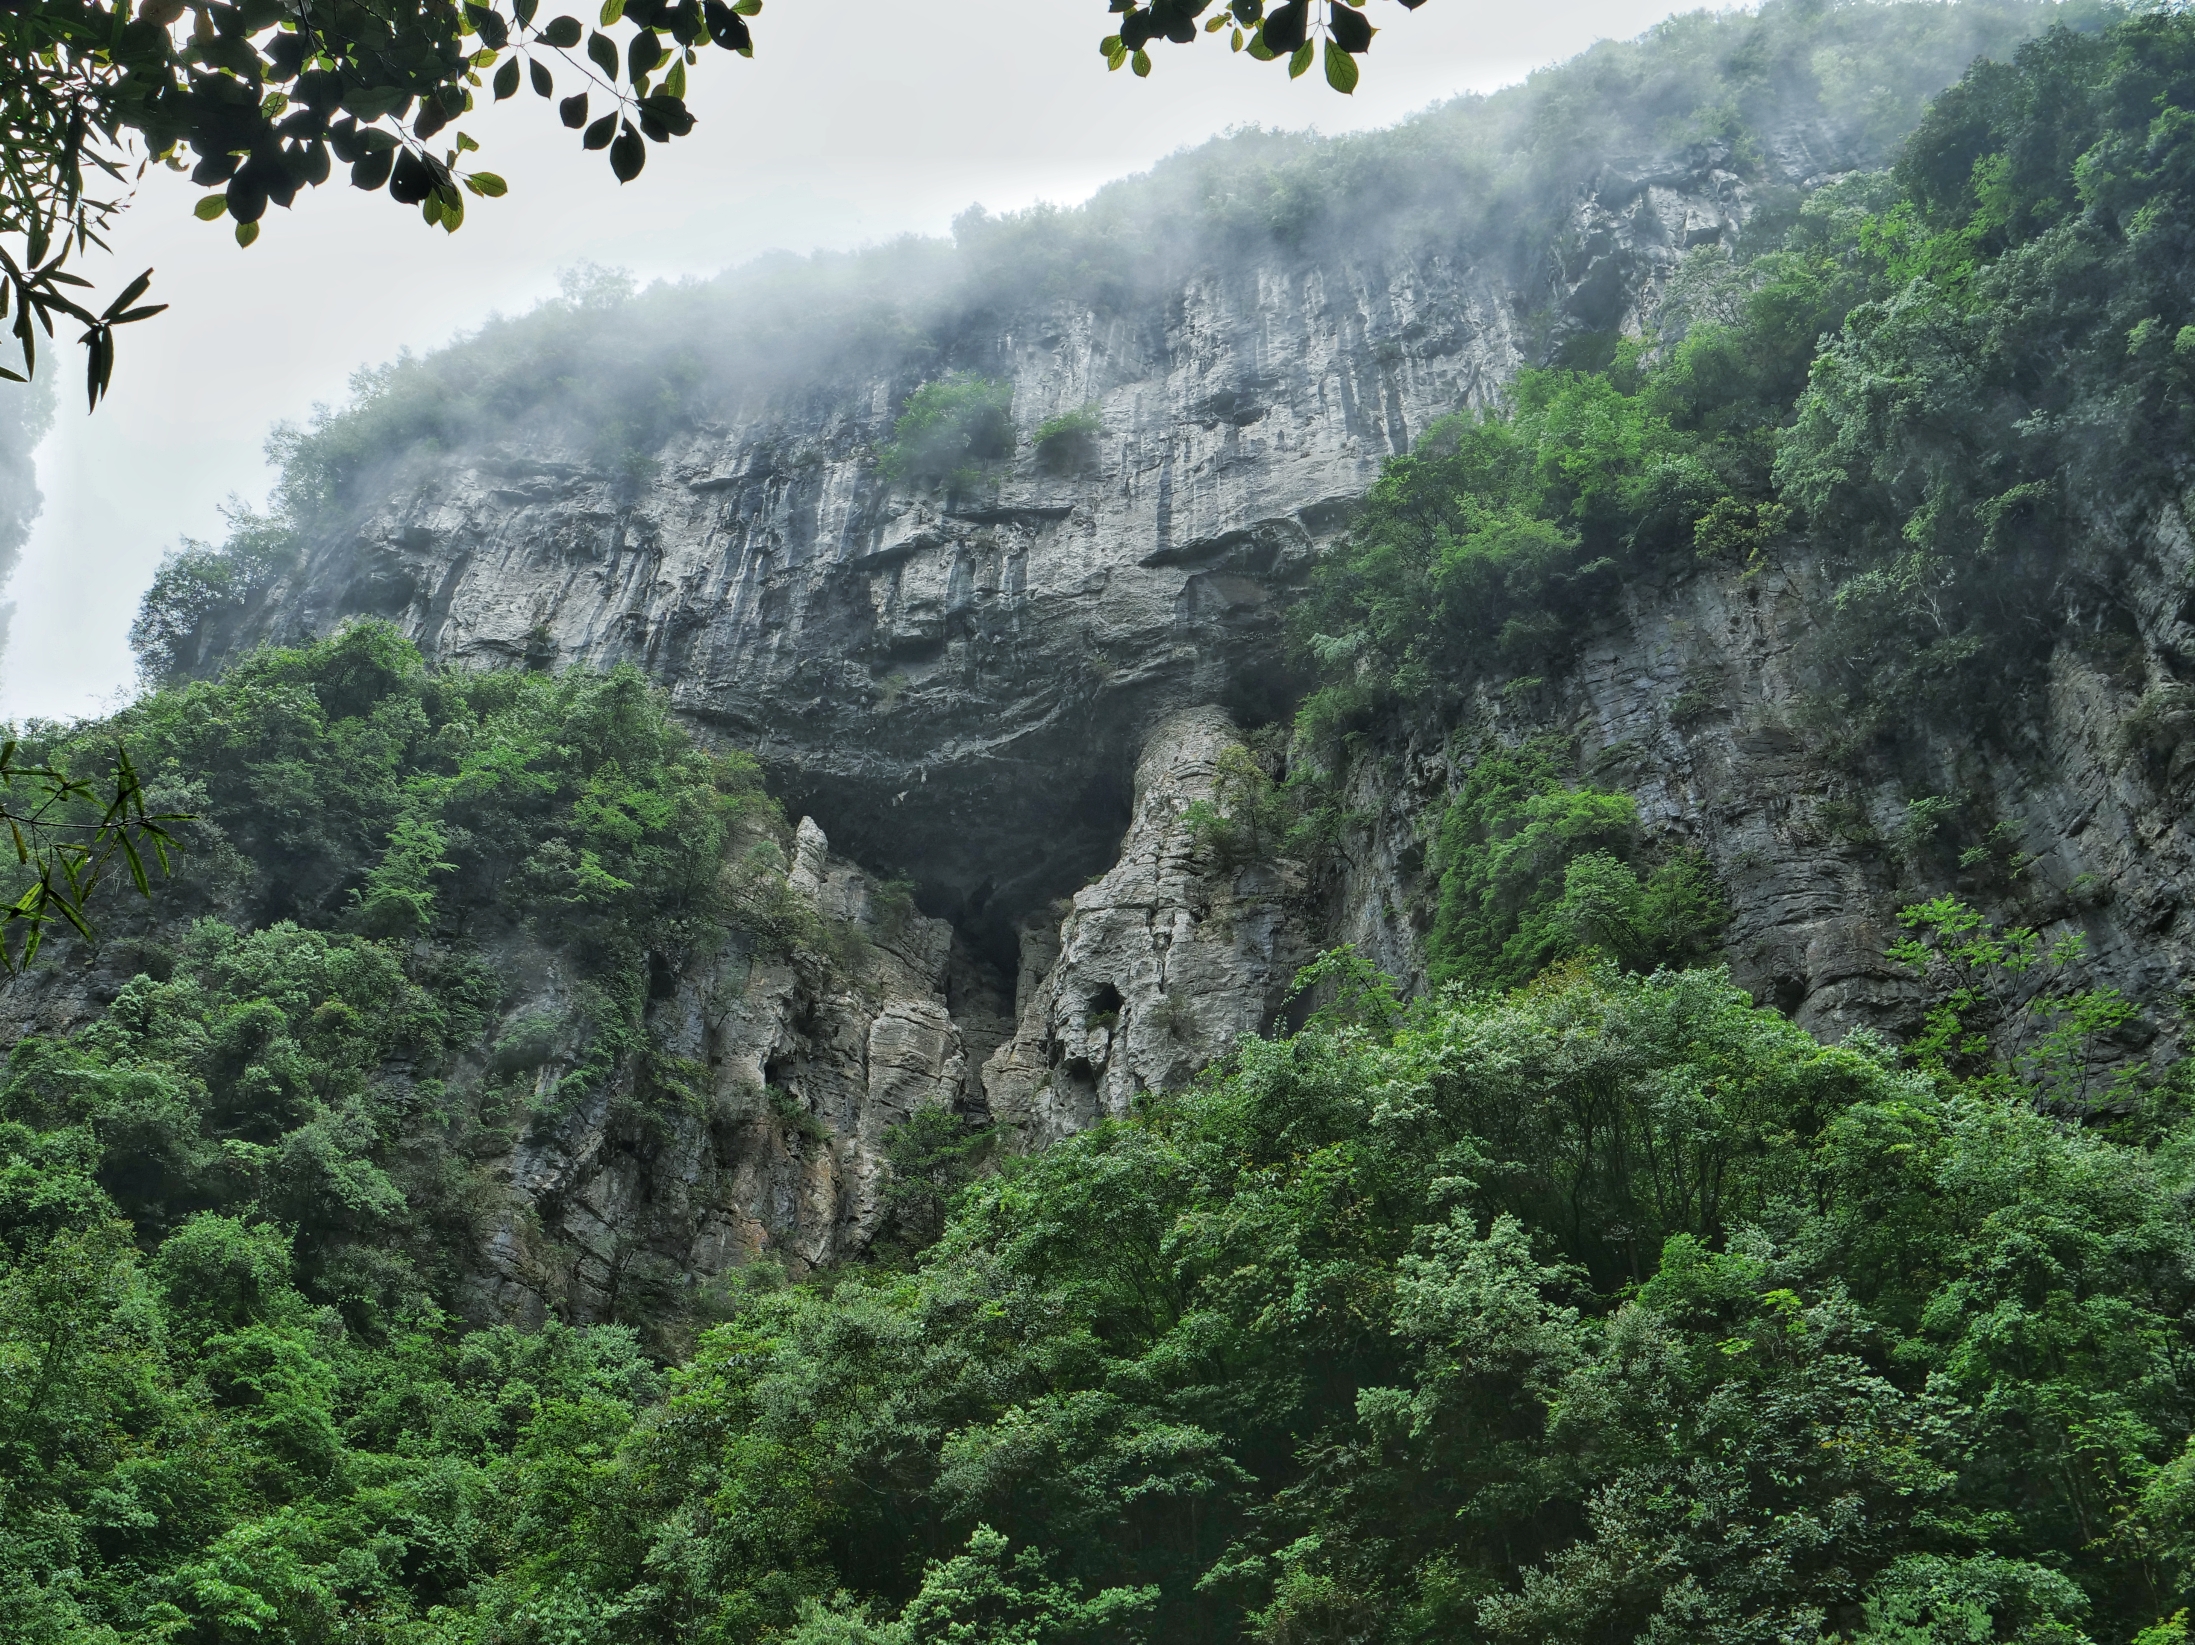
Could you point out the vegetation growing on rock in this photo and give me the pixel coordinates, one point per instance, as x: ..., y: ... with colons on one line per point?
x: 321, y: 1030
x: 1611, y: 1308
x: 1960, y: 381
x: 949, y: 430
x: 1581, y: 1299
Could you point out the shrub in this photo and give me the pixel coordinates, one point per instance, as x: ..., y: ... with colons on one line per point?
x: 192, y: 614
x: 1529, y: 869
x: 1068, y: 443
x: 949, y: 431
x: 1248, y: 817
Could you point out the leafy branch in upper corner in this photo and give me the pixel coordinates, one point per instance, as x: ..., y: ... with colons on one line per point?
x: 1292, y: 32
x: 269, y: 95
x: 45, y: 812
x: 36, y: 291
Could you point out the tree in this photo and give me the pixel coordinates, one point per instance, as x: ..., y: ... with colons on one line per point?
x: 68, y: 833
x: 261, y: 99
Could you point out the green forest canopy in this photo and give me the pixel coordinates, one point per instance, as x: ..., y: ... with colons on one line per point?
x: 1606, y: 1307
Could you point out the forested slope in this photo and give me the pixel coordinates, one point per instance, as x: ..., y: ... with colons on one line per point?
x: 1583, y: 1297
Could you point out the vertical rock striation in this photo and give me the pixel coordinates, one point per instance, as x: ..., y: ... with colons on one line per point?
x: 1156, y: 967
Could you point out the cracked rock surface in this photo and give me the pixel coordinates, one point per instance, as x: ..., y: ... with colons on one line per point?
x: 1157, y: 967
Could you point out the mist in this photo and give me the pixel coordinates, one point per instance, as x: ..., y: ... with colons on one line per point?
x: 844, y: 132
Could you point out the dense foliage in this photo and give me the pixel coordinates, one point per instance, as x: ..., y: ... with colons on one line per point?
x: 1582, y: 1301
x: 1531, y: 869
x: 1609, y: 1309
x: 1977, y: 439
x: 1612, y: 1307
x: 1963, y: 382
x: 322, y: 1026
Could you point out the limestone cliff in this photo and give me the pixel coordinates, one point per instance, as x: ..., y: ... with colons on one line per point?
x: 806, y: 1063
x: 958, y: 681
x: 1157, y: 967
x: 1690, y: 699
x: 1012, y: 688
x: 809, y: 1060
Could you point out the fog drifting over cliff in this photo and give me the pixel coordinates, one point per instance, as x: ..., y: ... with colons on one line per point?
x: 842, y: 132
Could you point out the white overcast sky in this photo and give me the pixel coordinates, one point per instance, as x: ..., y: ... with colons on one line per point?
x: 848, y: 127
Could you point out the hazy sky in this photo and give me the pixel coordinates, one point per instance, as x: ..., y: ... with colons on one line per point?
x: 847, y: 127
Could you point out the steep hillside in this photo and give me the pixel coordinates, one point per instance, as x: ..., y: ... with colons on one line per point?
x: 1459, y: 914
x: 993, y: 553
x: 953, y: 662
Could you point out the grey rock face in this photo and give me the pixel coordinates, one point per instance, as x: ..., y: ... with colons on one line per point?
x: 1152, y: 973
x: 1689, y: 700
x: 1157, y: 967
x: 1149, y: 976
x: 961, y: 685
x: 805, y: 1062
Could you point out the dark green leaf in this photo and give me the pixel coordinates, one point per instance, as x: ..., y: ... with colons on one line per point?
x: 725, y: 26
x: 372, y: 169
x: 670, y: 112
x: 1341, y: 69
x: 130, y: 293
x: 412, y: 180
